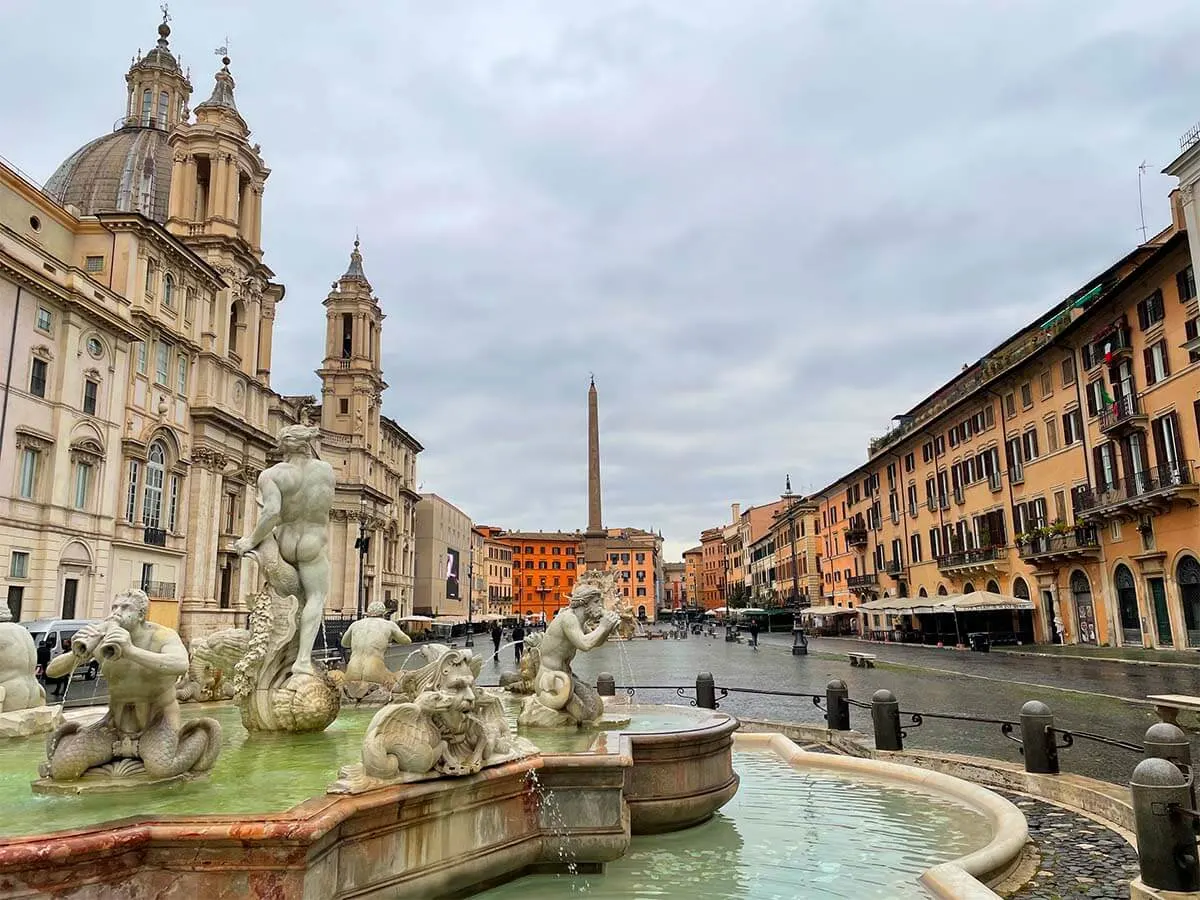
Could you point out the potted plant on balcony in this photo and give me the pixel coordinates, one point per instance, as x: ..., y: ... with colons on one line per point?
x: 1059, y: 527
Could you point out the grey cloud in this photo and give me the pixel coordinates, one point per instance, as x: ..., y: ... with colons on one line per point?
x: 766, y: 227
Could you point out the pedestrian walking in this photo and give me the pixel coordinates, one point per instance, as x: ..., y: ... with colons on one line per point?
x: 518, y: 636
x: 754, y: 633
x: 497, y: 637
x: 44, y: 652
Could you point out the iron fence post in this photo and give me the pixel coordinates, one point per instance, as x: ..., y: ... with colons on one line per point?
x: 837, y: 710
x: 1038, y: 739
x: 606, y: 685
x: 706, y: 691
x: 1165, y: 839
x: 885, y: 717
x: 1166, y: 741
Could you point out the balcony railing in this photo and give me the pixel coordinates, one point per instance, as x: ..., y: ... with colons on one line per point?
x: 1141, y: 485
x: 1119, y: 343
x: 1122, y: 411
x: 155, y: 537
x: 159, y: 590
x: 980, y: 556
x: 861, y: 582
x: 894, y: 567
x: 856, y: 537
x: 1081, y: 540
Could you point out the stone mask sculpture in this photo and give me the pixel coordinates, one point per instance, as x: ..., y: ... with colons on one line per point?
x: 560, y: 699
x: 142, y: 737
x: 450, y: 728
x: 277, y: 684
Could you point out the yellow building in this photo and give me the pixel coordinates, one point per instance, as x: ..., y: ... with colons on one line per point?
x: 693, y: 578
x: 1060, y: 468
x: 794, y: 533
x: 141, y: 409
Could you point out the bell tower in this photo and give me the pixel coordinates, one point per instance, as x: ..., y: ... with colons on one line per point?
x: 351, y: 375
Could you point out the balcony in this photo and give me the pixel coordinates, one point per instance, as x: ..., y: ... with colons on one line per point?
x: 980, y: 561
x: 1122, y: 415
x: 894, y: 568
x: 863, y: 584
x: 1080, y: 543
x: 155, y: 537
x: 1148, y: 493
x: 856, y: 537
x: 159, y: 590
x: 1114, y: 346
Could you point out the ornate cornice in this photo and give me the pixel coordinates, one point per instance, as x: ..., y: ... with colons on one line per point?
x: 32, y: 439
x: 210, y: 459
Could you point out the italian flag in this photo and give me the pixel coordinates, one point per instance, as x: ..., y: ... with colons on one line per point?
x: 1107, y: 400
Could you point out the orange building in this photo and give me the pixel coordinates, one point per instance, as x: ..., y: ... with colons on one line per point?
x: 1060, y: 470
x: 712, y: 568
x: 635, y: 559
x: 693, y: 578
x: 545, y: 565
x: 674, y: 590
x: 795, y: 530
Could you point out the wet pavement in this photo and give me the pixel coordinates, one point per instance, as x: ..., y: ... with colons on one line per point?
x: 1084, y: 695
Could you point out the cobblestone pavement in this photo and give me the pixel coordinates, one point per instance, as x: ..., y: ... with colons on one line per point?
x: 1080, y: 858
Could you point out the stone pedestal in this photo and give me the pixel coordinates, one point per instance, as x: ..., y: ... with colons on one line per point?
x: 25, y: 722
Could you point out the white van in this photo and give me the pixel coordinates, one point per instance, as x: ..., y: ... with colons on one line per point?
x: 60, y: 632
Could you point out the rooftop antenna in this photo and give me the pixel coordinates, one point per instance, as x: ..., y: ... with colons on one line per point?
x: 1141, y: 205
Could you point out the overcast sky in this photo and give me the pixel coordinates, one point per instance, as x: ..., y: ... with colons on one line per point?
x: 767, y: 226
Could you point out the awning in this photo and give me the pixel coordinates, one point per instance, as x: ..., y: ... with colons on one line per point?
x: 986, y: 601
x: 413, y: 619
x: 450, y: 620
x: 819, y: 611
x: 896, y: 605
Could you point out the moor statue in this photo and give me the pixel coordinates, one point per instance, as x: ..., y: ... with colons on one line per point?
x: 143, y: 733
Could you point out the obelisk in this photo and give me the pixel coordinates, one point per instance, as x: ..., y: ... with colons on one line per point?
x: 594, y: 538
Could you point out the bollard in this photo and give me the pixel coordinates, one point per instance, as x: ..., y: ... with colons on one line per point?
x: 837, y: 710
x: 1165, y: 839
x: 706, y: 691
x: 1038, y: 742
x: 606, y: 685
x: 1166, y: 741
x: 885, y: 717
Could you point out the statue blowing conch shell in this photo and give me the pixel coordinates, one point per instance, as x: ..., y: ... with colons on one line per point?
x: 450, y: 728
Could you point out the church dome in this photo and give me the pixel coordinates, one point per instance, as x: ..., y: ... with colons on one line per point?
x: 128, y: 170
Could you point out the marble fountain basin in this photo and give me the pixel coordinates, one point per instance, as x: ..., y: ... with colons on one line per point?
x: 261, y: 824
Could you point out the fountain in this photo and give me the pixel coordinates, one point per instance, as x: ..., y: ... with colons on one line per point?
x: 23, y: 709
x: 447, y: 789
x: 367, y: 680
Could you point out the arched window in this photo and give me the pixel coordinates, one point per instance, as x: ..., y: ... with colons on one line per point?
x: 1020, y: 589
x: 941, y: 590
x: 992, y: 586
x: 152, y: 493
x: 968, y: 588
x: 922, y: 593
x: 1127, y: 607
x: 162, y: 110
x: 1187, y: 575
x: 168, y: 290
x: 147, y: 101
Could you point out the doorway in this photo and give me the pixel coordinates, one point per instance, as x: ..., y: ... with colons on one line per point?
x: 70, y: 595
x: 1127, y: 607
x: 1162, y: 616
x: 1085, y: 610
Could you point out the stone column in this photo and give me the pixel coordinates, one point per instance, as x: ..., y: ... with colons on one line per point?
x: 266, y: 329
x: 256, y: 230
x: 231, y: 186
x: 189, y: 189
x: 246, y: 216
x: 217, y: 190
x: 348, y: 583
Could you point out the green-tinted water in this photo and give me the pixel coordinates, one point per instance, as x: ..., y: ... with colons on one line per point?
x: 787, y: 833
x: 256, y: 773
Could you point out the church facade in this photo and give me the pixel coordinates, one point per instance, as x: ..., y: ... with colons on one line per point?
x: 138, y: 410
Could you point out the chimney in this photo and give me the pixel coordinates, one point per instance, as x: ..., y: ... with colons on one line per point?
x: 736, y: 511
x: 1178, y: 222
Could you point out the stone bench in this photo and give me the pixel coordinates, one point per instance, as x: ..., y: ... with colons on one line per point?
x: 863, y: 660
x: 1169, y: 706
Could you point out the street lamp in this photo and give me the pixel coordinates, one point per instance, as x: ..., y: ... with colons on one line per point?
x: 362, y: 545
x: 470, y: 595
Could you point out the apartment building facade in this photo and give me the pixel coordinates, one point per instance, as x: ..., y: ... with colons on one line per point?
x: 794, y: 534
x: 675, y: 594
x: 634, y: 557
x: 497, y: 572
x: 693, y: 576
x: 545, y: 566
x: 443, y: 549
x: 1060, y: 469
x: 713, y: 566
